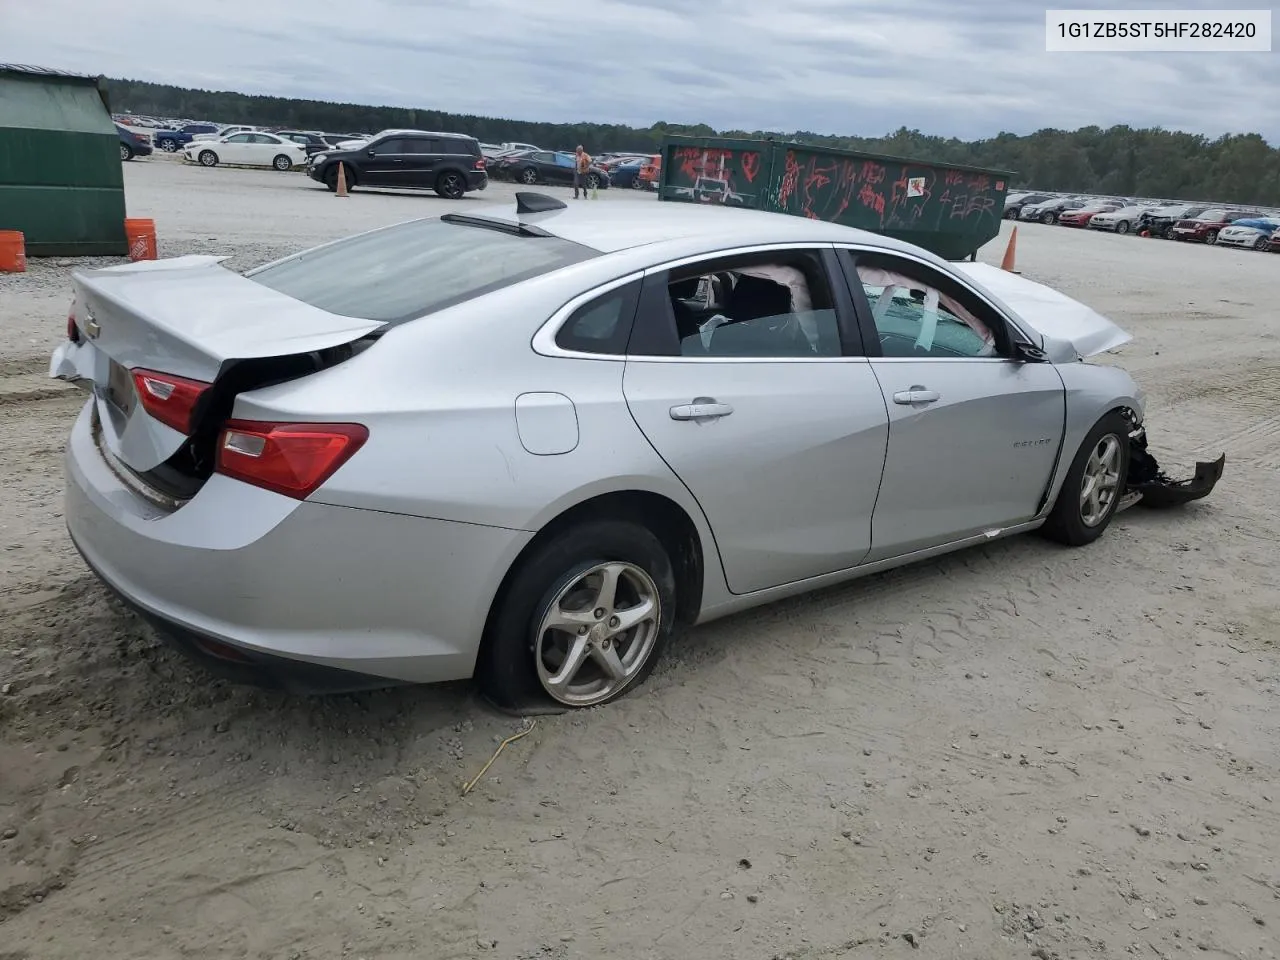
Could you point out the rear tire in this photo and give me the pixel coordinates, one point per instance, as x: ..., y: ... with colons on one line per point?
x: 451, y: 185
x: 529, y: 176
x: 126, y: 152
x: 1261, y: 243
x: 208, y: 158
x: 1122, y: 226
x: 522, y: 656
x: 1211, y: 237
x: 169, y: 146
x: 1093, y: 486
x: 1047, y: 218
x: 282, y: 163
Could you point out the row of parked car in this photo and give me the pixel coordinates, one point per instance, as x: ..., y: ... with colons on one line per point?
x: 528, y: 164
x: 174, y: 136
x: 1250, y: 228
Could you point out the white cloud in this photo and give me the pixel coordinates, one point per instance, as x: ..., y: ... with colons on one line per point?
x: 968, y: 68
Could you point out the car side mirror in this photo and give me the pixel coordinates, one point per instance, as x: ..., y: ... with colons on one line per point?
x: 1027, y: 353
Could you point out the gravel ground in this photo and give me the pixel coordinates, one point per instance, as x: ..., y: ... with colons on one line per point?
x: 1014, y: 751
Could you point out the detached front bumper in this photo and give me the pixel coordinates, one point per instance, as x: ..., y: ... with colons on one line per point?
x: 1154, y: 489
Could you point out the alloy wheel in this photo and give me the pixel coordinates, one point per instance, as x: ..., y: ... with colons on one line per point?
x: 451, y: 186
x: 597, y: 634
x: 1101, y: 480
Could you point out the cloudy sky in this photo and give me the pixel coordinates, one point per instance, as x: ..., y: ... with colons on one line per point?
x: 966, y: 68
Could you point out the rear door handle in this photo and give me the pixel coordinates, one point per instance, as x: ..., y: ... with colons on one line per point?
x: 915, y: 395
x: 703, y: 408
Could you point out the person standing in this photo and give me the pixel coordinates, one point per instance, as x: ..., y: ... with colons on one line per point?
x: 581, y: 167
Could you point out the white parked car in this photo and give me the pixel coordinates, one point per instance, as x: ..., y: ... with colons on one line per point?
x: 223, y: 133
x: 1122, y: 220
x: 1254, y: 232
x: 249, y: 149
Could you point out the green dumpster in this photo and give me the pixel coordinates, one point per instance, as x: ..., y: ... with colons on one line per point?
x: 60, y: 177
x: 948, y: 209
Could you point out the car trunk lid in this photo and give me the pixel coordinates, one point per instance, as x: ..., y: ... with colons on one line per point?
x: 161, y: 333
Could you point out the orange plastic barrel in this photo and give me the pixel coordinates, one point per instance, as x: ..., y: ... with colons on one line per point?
x: 141, y: 235
x: 13, y: 252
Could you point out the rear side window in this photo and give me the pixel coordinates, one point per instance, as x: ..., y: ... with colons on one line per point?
x: 459, y: 147
x: 604, y: 324
x: 411, y: 269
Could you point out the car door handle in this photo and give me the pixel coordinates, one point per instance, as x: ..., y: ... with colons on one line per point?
x: 703, y: 408
x: 915, y: 395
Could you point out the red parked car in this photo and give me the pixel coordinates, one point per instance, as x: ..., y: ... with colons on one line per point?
x: 1273, y: 245
x: 1081, y: 216
x: 1204, y: 228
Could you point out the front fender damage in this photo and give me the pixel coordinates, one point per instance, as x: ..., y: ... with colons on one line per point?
x: 1149, y: 486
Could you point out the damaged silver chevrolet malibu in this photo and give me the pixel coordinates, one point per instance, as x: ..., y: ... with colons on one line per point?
x: 527, y: 445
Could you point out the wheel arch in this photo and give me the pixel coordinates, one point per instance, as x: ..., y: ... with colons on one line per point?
x: 1079, y: 424
x: 667, y: 519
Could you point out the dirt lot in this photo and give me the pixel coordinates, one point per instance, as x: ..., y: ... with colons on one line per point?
x: 1016, y: 751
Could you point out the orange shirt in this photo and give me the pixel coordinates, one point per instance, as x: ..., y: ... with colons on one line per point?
x: 584, y: 162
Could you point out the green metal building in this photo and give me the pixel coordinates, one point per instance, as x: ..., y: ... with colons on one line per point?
x: 60, y: 177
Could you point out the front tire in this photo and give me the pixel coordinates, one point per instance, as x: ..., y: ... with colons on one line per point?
x: 331, y: 178
x: 282, y: 163
x: 208, y: 158
x: 582, y: 621
x: 1093, y: 486
x: 451, y: 186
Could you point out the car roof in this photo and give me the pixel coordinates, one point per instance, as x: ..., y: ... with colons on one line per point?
x: 607, y: 229
x: 422, y: 133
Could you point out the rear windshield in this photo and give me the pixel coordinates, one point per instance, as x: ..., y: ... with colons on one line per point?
x: 411, y: 269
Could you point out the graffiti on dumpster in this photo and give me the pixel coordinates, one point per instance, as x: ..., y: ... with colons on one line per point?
x: 715, y: 175
x: 884, y: 196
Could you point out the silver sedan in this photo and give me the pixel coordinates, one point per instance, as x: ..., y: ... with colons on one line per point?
x: 526, y: 446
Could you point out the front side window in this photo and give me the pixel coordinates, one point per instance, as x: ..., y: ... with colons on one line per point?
x: 920, y: 315
x: 775, y: 305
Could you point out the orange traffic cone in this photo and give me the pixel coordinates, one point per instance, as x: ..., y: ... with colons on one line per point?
x: 1010, y: 253
x: 342, y: 181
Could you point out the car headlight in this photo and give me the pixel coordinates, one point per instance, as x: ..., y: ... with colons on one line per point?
x: 317, y: 158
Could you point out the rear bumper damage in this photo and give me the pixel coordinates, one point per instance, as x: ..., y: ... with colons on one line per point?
x: 1149, y: 486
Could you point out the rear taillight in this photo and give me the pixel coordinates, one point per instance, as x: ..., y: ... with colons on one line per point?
x: 73, y: 332
x: 293, y: 459
x: 479, y: 164
x: 169, y: 399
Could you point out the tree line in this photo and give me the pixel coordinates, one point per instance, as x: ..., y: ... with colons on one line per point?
x: 1118, y: 161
